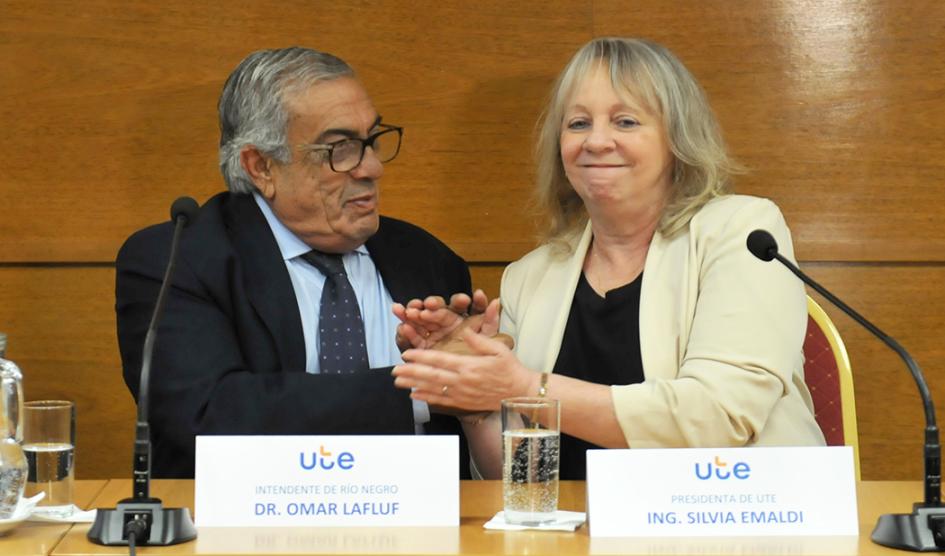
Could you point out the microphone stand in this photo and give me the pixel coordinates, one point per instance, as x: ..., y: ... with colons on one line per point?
x: 141, y: 519
x: 924, y: 529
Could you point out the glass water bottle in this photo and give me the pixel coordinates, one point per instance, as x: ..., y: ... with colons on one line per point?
x: 12, y: 459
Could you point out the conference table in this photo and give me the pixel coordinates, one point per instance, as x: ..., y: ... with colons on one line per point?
x: 479, y: 501
x: 34, y: 538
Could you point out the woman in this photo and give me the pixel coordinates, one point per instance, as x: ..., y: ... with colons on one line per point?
x: 643, y: 309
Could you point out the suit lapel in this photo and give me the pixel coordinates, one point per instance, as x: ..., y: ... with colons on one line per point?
x: 543, y: 327
x: 663, y: 298
x: 268, y: 286
x: 662, y: 302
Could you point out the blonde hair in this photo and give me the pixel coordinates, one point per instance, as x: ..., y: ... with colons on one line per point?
x: 652, y: 75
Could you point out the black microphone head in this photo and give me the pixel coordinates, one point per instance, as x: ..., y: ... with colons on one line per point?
x: 762, y: 245
x: 184, y: 207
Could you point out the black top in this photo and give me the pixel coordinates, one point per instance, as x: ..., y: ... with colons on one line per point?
x: 601, y: 344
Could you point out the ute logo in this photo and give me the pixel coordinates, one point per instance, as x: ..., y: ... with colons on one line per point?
x: 323, y: 459
x: 721, y: 470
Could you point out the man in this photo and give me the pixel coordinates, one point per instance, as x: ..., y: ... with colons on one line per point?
x: 279, y: 317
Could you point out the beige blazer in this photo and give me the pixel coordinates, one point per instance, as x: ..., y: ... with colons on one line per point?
x: 720, y: 332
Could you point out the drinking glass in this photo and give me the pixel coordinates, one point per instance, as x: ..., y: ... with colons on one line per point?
x: 530, y: 454
x: 49, y: 443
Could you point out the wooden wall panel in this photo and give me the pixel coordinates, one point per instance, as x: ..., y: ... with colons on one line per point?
x: 110, y: 109
x: 836, y: 106
x: 487, y: 277
x: 60, y: 322
x: 907, y: 303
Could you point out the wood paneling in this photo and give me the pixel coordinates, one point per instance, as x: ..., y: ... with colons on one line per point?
x: 487, y: 278
x: 837, y: 107
x: 110, y: 110
x: 60, y: 324
x: 907, y: 303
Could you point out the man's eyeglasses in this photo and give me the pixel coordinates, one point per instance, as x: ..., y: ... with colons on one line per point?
x: 347, y: 154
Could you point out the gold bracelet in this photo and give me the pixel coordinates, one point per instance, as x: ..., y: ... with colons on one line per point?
x: 543, y: 385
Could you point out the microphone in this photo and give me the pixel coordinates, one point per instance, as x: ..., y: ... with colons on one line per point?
x: 141, y: 519
x: 924, y: 529
x: 186, y: 208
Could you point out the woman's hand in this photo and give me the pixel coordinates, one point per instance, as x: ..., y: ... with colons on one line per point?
x: 428, y: 322
x: 471, y: 382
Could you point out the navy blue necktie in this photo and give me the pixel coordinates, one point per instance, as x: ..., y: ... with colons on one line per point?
x: 342, y: 347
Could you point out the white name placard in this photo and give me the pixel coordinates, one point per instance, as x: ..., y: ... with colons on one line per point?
x: 336, y: 481
x: 721, y: 492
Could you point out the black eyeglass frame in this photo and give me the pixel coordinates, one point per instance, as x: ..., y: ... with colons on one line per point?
x: 365, y: 143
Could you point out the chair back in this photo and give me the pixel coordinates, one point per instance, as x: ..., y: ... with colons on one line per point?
x: 830, y: 381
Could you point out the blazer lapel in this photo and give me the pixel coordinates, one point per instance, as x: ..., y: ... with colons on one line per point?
x: 662, y: 307
x: 543, y: 326
x: 662, y: 303
x: 268, y: 286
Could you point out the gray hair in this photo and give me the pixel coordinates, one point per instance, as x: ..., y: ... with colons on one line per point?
x: 252, y: 104
x: 650, y: 74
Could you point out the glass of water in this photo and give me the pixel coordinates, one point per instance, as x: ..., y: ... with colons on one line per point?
x: 49, y: 444
x: 530, y: 454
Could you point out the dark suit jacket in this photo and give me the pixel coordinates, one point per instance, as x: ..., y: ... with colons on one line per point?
x: 230, y: 353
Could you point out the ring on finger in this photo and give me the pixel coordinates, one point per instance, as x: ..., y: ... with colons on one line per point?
x: 444, y: 390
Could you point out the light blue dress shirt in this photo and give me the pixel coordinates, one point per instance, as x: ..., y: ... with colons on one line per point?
x: 374, y: 301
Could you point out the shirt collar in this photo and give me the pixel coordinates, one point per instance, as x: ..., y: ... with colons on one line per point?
x: 289, y: 244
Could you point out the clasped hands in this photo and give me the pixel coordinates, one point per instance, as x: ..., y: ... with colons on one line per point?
x: 432, y: 324
x: 455, y: 359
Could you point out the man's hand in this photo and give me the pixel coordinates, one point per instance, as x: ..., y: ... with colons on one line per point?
x: 425, y: 323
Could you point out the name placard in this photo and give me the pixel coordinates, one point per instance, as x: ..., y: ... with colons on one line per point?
x: 721, y: 492
x: 332, y: 481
